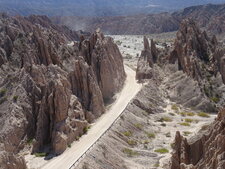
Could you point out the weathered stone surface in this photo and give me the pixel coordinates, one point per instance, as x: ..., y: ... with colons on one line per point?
x: 203, y: 151
x: 146, y: 61
x: 49, y: 91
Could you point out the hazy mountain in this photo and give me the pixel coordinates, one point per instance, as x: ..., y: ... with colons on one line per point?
x: 95, y: 7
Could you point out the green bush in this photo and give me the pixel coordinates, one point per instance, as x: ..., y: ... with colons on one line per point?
x: 174, y: 107
x: 190, y: 114
x: 189, y: 120
x: 139, y: 126
x: 165, y: 119
x: 162, y: 151
x: 185, y: 124
x: 132, y: 142
x: 127, y: 133
x: 150, y: 135
x: 203, y: 114
x: 215, y: 99
x: 15, y: 98
x: 86, y: 128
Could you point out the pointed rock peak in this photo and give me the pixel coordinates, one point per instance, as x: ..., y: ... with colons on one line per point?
x: 146, y: 44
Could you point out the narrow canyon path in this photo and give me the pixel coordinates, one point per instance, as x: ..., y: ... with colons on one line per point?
x: 66, y: 160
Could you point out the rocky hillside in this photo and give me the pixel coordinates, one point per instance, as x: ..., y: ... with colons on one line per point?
x: 183, y: 88
x: 209, y: 17
x: 49, y: 90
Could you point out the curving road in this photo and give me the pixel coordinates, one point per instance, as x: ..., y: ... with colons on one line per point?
x: 66, y: 160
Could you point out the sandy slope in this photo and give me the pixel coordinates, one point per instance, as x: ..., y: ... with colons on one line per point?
x: 77, y: 149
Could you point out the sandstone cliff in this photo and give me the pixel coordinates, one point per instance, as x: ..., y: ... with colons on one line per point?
x: 49, y: 91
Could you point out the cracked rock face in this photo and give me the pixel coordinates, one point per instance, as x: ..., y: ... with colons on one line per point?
x: 203, y: 151
x: 49, y: 91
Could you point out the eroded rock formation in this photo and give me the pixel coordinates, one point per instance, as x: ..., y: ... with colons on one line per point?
x: 206, y: 150
x: 146, y: 61
x: 49, y: 91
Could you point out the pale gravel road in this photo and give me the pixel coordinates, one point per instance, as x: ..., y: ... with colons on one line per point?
x: 66, y: 160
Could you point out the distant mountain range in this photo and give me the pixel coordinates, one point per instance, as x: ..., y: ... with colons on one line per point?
x: 210, y: 17
x: 96, y: 7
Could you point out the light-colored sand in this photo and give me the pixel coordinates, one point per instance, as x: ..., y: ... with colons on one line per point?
x: 77, y: 149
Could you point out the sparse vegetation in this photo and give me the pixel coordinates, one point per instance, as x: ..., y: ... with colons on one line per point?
x: 40, y: 154
x: 15, y: 98
x: 30, y: 141
x: 183, y: 114
x: 215, y: 99
x: 132, y: 142
x: 165, y: 119
x: 203, y: 114
x: 127, y: 133
x: 186, y: 133
x: 184, y: 124
x: 189, y: 120
x: 139, y: 126
x: 150, y: 135
x: 156, y: 165
x: 146, y: 141
x: 190, y: 114
x: 129, y: 152
x: 86, y: 128
x: 174, y: 107
x: 162, y: 151
x: 69, y: 145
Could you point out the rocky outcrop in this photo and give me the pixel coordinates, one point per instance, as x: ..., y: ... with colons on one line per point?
x: 49, y: 91
x: 146, y: 61
x: 107, y: 63
x: 193, y: 48
x: 203, y: 151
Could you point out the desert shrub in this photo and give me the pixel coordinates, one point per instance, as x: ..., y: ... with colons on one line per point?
x: 165, y: 119
x: 186, y: 133
x: 174, y: 107
x: 190, y: 114
x: 184, y: 124
x: 132, y: 142
x: 15, y: 98
x: 203, y: 114
x: 40, y: 154
x: 127, y: 133
x: 215, y: 99
x: 150, y: 135
x: 139, y: 126
x: 129, y: 152
x: 86, y: 128
x: 162, y: 151
x: 189, y: 120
